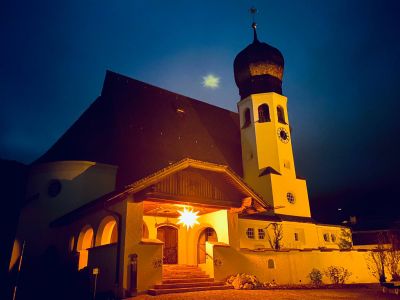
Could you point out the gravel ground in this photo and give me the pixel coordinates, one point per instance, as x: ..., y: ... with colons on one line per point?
x: 364, y: 293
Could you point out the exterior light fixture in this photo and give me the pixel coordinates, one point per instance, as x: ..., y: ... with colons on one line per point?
x: 188, y: 217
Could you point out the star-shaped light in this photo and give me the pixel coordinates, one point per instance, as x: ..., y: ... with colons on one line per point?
x: 211, y: 81
x: 188, y: 217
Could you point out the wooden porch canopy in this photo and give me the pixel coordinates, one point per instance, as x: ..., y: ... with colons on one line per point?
x: 196, y: 182
x: 187, y: 182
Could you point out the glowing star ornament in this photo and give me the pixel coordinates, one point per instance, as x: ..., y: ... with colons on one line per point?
x: 211, y: 81
x: 188, y: 218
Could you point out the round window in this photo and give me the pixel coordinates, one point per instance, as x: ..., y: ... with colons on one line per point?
x: 290, y: 198
x: 54, y: 187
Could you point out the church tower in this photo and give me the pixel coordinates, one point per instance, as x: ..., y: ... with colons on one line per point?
x: 267, y: 154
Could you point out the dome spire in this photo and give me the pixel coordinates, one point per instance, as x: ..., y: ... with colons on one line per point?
x: 259, y: 67
x: 254, y: 25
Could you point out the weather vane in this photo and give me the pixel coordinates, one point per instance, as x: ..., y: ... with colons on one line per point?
x: 253, y: 12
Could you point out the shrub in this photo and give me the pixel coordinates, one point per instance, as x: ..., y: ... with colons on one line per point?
x: 243, y: 282
x: 316, y: 277
x: 337, y: 275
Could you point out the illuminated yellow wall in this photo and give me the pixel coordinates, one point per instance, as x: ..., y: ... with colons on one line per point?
x: 309, y: 235
x: 262, y: 148
x: 148, y: 253
x: 290, y: 267
x: 188, y: 238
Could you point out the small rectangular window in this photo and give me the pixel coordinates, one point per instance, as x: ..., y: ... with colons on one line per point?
x: 296, y: 236
x: 250, y: 233
x: 326, y: 237
x: 271, y: 264
x: 261, y: 233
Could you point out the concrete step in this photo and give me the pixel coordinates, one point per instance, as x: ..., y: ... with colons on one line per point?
x: 179, y: 267
x: 187, y: 280
x: 178, y: 276
x: 199, y: 273
x: 155, y: 292
x: 187, y: 285
x: 182, y: 271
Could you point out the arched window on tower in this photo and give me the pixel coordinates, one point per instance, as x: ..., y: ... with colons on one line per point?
x: 281, y: 115
x: 246, y: 118
x: 263, y: 113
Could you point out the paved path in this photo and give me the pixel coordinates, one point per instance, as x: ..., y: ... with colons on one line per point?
x: 369, y: 293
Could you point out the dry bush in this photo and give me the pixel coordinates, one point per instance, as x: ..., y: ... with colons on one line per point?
x: 337, y: 275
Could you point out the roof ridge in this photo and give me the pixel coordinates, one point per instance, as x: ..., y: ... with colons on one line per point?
x: 111, y: 74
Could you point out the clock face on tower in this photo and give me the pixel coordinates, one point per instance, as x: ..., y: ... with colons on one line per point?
x: 283, y: 135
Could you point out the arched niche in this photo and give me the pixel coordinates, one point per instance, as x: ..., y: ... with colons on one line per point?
x: 85, y: 241
x: 107, y: 232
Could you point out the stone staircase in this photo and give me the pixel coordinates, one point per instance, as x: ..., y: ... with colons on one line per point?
x: 185, y: 278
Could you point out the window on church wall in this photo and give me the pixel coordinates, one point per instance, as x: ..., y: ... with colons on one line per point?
x: 290, y: 198
x: 263, y: 113
x: 281, y: 115
x: 261, y: 233
x: 296, y: 236
x: 250, y: 233
x: 271, y: 264
x: 333, y: 238
x: 326, y: 237
x: 246, y: 118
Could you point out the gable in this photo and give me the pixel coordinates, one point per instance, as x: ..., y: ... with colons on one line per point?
x: 194, y: 186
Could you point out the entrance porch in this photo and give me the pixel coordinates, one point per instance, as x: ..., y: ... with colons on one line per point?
x: 182, y: 245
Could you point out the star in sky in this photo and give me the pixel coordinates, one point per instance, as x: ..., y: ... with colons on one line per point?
x: 211, y: 81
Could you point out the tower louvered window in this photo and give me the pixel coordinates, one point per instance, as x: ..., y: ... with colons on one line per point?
x: 246, y: 120
x: 263, y: 113
x: 281, y: 115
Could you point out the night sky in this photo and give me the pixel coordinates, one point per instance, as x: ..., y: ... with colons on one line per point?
x: 342, y: 63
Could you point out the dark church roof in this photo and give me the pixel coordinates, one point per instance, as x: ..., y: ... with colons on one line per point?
x: 142, y: 128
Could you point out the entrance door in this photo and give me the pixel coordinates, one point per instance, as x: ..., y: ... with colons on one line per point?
x: 207, y: 235
x: 169, y: 235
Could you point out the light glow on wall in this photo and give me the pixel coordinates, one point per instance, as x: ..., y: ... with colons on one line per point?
x: 188, y: 217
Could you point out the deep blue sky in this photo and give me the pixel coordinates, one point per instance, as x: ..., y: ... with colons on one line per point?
x: 342, y: 64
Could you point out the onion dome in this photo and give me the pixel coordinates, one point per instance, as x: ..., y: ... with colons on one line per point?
x: 258, y: 68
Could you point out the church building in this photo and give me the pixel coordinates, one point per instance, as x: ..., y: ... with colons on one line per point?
x: 152, y: 191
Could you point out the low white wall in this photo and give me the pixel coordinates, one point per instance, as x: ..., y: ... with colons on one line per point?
x: 104, y: 258
x: 291, y: 267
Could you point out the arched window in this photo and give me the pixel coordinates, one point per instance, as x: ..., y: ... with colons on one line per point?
x: 246, y: 118
x: 263, y: 113
x: 281, y: 115
x: 85, y: 241
x: 107, y: 232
